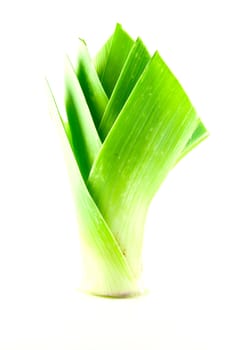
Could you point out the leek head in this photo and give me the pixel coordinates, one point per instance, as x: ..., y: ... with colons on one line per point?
x: 125, y: 122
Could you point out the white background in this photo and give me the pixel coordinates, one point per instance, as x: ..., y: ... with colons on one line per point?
x: 189, y: 244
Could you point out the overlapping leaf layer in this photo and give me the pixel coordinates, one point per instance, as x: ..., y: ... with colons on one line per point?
x: 126, y: 123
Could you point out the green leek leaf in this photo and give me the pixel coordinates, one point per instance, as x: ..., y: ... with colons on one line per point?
x: 131, y: 71
x: 89, y: 81
x: 106, y: 270
x: 141, y: 148
x: 80, y: 121
x: 112, y: 57
x: 199, y: 135
x: 101, y: 58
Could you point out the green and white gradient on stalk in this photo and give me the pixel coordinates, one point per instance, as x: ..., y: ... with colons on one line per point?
x: 125, y: 122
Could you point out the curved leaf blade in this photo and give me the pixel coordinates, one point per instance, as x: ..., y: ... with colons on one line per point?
x: 131, y: 71
x: 143, y: 145
x: 112, y: 57
x: 106, y: 269
x: 89, y: 81
x: 83, y: 131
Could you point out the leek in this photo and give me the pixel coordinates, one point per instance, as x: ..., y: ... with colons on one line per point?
x: 125, y: 122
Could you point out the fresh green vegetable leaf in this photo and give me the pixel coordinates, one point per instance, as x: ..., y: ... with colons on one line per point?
x: 133, y: 66
x: 199, y: 135
x: 89, y: 81
x: 141, y: 148
x: 80, y: 121
x: 112, y: 57
x: 102, y: 56
x: 131, y: 71
x: 106, y: 270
